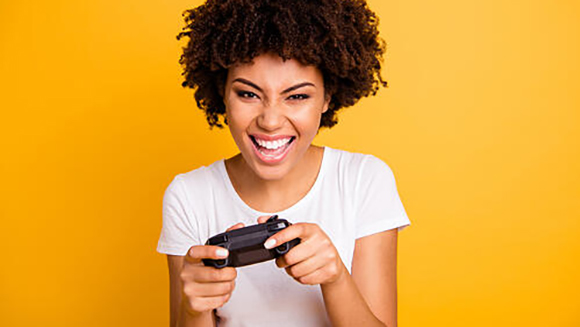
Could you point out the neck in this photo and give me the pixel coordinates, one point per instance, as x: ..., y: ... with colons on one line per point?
x: 275, y: 195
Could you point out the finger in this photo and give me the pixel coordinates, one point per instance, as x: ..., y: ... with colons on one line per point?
x: 281, y: 262
x: 236, y: 226
x: 300, y: 252
x: 305, y: 267
x: 198, y: 252
x: 212, y: 289
x: 314, y: 278
x: 203, y: 274
x: 263, y: 219
x: 226, y: 299
x: 299, y: 230
x: 201, y: 304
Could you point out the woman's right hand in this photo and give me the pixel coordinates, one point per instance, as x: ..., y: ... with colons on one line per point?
x: 206, y: 288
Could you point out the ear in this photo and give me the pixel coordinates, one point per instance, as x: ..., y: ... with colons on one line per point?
x: 327, y: 98
x: 224, y: 101
x: 223, y: 95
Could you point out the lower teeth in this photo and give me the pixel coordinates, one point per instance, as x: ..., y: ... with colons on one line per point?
x: 276, y: 152
x: 272, y: 152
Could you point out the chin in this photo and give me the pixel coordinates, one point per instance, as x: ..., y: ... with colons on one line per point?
x: 271, y: 164
x: 270, y: 173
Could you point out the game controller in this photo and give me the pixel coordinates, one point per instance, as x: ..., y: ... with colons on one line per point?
x: 246, y: 245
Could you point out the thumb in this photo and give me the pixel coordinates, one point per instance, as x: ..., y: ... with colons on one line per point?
x: 198, y: 252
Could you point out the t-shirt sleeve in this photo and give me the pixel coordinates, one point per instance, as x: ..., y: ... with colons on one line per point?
x: 177, y: 232
x: 378, y: 201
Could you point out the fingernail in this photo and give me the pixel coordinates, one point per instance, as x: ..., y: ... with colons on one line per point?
x: 270, y: 243
x: 222, y: 253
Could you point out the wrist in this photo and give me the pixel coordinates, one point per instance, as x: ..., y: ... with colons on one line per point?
x: 341, y: 278
x: 190, y: 313
x: 190, y: 318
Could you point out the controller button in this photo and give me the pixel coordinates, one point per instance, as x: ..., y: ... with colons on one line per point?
x: 276, y: 227
x: 222, y: 239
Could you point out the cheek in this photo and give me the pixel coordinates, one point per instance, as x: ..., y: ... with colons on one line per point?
x: 238, y: 118
x: 308, y: 120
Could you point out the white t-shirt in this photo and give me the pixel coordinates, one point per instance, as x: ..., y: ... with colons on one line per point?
x: 354, y: 195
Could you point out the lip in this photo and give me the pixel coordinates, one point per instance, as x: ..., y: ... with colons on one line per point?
x: 269, y: 159
x: 270, y: 137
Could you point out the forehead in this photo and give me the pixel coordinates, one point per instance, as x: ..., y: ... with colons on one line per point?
x: 270, y: 70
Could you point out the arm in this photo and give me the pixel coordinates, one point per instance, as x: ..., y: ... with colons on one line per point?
x: 372, y: 288
x: 179, y: 315
x: 316, y: 261
x: 346, y: 306
x: 374, y: 260
x: 205, y: 289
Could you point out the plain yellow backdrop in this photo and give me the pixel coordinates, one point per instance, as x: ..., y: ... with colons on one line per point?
x: 480, y: 124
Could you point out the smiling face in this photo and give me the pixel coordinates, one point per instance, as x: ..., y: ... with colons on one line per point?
x: 273, y: 108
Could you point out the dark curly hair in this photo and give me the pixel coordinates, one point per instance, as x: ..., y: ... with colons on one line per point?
x: 339, y: 37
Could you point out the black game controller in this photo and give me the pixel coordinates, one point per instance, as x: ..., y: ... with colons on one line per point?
x: 246, y: 245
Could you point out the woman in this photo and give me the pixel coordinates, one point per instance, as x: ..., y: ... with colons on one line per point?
x: 275, y: 72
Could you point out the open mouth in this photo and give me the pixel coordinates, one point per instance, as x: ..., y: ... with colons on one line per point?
x: 272, y: 151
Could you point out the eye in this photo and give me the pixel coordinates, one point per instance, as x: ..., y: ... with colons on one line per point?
x: 247, y: 94
x: 299, y: 97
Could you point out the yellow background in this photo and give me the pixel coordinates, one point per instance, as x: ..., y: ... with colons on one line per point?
x: 480, y: 125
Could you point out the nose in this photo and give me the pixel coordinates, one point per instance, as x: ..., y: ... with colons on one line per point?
x: 271, y: 118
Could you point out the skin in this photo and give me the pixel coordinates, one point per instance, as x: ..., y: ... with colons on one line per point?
x: 275, y: 97
x: 270, y: 111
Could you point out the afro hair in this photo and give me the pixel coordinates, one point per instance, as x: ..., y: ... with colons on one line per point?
x: 339, y: 37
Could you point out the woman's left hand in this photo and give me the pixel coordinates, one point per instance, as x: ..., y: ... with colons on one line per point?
x: 314, y: 261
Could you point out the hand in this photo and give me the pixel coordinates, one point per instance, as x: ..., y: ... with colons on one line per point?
x: 314, y: 261
x: 206, y: 288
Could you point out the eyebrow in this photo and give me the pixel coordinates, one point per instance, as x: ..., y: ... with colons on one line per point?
x: 290, y: 89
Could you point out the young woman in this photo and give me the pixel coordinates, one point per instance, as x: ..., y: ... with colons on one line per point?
x: 275, y: 72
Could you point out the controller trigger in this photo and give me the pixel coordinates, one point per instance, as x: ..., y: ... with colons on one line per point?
x: 271, y: 219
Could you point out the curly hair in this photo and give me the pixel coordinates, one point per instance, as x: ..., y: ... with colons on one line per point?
x: 339, y: 37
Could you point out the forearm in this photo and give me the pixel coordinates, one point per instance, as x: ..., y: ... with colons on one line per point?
x: 345, y: 305
x: 187, y: 319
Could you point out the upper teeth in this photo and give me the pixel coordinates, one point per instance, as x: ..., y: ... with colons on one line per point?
x: 272, y: 144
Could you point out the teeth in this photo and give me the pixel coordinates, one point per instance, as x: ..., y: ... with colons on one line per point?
x: 272, y: 144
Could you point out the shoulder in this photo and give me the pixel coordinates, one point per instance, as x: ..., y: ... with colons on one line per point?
x: 359, y: 165
x: 195, y: 183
